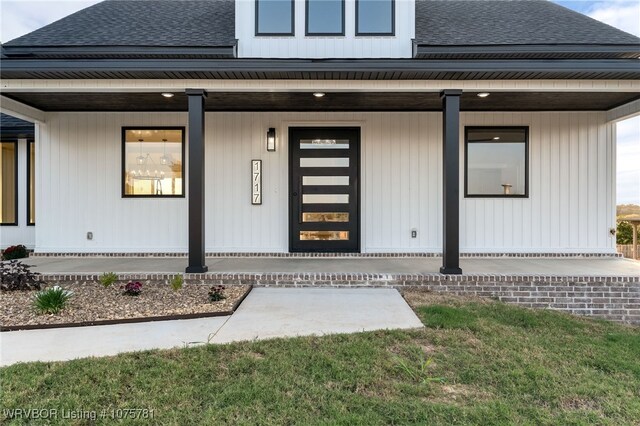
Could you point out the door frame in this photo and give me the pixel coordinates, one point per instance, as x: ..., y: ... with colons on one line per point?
x: 358, y: 182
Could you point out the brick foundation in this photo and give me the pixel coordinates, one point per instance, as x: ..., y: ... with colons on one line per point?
x: 615, y: 298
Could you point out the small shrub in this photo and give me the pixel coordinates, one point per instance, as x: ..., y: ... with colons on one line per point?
x: 16, y: 276
x: 216, y: 293
x: 624, y: 233
x: 15, y: 252
x: 51, y: 300
x: 108, y: 278
x: 177, y: 282
x: 133, y: 288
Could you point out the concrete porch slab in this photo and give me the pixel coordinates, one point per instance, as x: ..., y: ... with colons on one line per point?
x: 596, y: 266
x: 265, y: 313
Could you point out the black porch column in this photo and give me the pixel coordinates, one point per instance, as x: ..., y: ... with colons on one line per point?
x: 451, y: 181
x: 196, y: 181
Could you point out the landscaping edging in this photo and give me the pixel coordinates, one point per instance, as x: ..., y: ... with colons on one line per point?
x: 130, y: 320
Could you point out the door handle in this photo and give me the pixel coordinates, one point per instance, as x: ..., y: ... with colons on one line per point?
x: 300, y: 201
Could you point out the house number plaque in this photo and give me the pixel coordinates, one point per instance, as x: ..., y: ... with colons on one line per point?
x: 256, y: 182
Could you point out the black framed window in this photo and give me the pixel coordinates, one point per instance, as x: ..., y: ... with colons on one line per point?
x: 31, y: 183
x: 275, y: 17
x: 324, y: 17
x: 153, y: 162
x: 496, y: 162
x: 375, y: 17
x: 9, y: 183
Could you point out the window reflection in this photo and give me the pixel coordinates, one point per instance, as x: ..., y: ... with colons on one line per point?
x: 154, y: 162
x: 325, y: 17
x: 8, y: 184
x: 374, y: 17
x: 274, y: 17
x: 325, y: 217
x: 496, y: 162
x: 324, y: 235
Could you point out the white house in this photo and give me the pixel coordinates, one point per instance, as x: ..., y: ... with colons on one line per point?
x: 278, y: 126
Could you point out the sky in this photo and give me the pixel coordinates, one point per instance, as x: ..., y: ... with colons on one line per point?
x: 19, y: 17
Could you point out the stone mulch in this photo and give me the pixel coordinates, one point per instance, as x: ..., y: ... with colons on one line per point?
x: 93, y: 302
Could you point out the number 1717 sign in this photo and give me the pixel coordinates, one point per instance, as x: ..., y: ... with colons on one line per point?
x: 256, y: 182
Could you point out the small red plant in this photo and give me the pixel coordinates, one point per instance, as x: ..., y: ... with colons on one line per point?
x: 216, y: 293
x: 132, y: 288
x: 14, y: 252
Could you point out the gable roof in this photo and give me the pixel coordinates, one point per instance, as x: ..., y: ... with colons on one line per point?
x: 193, y: 39
x: 444, y: 29
x: 532, y: 28
x: 137, y: 28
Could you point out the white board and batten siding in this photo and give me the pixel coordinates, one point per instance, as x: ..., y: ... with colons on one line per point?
x: 570, y: 207
x: 347, y: 46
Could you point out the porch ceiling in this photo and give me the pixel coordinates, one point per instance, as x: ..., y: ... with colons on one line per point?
x: 337, y: 101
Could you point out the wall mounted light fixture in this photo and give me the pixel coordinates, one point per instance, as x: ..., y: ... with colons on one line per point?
x: 271, y: 139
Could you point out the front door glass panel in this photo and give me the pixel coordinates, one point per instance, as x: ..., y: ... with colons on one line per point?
x: 324, y: 213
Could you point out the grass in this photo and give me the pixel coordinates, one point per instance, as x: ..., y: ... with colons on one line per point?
x: 475, y: 362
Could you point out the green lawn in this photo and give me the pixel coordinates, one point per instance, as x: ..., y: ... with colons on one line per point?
x: 475, y: 363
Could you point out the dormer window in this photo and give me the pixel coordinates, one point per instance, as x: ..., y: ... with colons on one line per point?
x: 325, y: 18
x: 275, y: 17
x: 375, y: 17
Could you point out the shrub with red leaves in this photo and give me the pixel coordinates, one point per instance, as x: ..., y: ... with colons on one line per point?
x: 133, y: 288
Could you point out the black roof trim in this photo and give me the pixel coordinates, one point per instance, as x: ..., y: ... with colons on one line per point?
x: 527, y: 51
x: 256, y: 66
x: 119, y: 51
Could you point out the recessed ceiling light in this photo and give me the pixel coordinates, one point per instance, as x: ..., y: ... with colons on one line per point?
x: 167, y: 95
x: 483, y: 94
x: 496, y: 138
x: 318, y: 94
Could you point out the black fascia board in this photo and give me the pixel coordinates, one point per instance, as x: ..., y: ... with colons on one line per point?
x: 50, y: 51
x: 427, y: 49
x: 9, y: 65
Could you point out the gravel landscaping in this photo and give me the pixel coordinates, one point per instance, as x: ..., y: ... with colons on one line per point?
x: 93, y: 302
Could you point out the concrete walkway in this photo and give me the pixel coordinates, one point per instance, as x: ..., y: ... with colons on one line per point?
x: 265, y: 313
x: 603, y: 266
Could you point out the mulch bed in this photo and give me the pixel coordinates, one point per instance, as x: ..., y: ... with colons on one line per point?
x: 93, y: 304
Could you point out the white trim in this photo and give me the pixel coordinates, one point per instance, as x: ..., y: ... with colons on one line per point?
x: 21, y: 111
x: 624, y: 112
x: 159, y: 85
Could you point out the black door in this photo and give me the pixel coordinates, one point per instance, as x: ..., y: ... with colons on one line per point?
x: 324, y: 189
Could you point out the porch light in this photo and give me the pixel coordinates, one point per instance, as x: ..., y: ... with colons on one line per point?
x: 271, y: 139
x: 167, y: 95
x: 318, y: 94
x: 483, y: 94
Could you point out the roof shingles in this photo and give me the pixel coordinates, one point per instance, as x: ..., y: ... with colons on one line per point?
x: 211, y: 23
x: 155, y: 23
x: 509, y: 22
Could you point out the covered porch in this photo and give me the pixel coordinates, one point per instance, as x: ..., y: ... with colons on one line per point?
x: 35, y: 99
